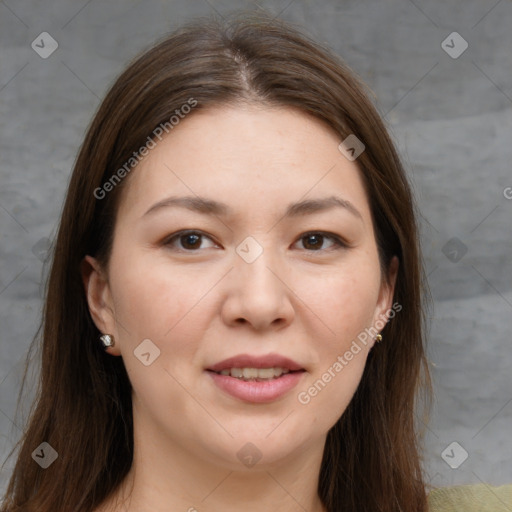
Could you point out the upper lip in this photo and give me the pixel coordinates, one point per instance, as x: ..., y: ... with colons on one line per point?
x: 248, y: 361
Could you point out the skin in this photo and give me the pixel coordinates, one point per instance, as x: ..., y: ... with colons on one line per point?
x: 201, y: 303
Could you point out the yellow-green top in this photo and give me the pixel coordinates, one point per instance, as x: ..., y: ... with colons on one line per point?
x: 471, y: 498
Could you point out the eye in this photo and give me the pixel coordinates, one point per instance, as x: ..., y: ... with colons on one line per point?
x: 314, y: 241
x: 189, y: 240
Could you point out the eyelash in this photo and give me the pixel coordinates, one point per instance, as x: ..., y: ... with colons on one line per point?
x: 338, y: 242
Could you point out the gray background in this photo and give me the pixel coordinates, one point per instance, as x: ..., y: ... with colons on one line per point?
x: 451, y: 118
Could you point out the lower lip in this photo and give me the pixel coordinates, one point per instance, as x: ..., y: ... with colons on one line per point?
x: 257, y: 391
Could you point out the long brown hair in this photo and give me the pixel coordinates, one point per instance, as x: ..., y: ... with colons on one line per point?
x: 83, y: 408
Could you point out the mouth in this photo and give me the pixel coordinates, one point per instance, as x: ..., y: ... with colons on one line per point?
x: 256, y: 374
x: 256, y: 379
x: 245, y: 366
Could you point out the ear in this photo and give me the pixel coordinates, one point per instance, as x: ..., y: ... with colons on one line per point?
x: 386, y: 293
x: 99, y: 298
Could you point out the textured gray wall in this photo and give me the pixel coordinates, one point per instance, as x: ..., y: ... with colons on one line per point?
x: 451, y: 116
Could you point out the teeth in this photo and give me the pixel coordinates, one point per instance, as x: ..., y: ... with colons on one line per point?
x: 255, y: 373
x: 262, y: 373
x: 252, y: 373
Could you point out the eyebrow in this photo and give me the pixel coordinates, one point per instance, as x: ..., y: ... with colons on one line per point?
x: 207, y: 206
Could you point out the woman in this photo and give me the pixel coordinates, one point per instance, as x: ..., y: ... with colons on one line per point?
x: 234, y: 312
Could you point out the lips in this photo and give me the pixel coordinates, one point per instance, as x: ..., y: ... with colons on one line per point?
x: 256, y: 379
x: 248, y: 361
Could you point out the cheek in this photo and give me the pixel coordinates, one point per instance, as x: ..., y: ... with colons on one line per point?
x: 343, y: 301
x: 164, y: 305
x: 345, y: 304
x: 155, y: 303
x: 153, y: 299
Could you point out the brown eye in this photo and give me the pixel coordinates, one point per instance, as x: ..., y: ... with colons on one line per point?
x: 186, y: 240
x: 314, y: 241
x: 190, y: 241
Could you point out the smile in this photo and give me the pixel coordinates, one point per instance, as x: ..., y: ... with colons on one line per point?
x: 254, y: 374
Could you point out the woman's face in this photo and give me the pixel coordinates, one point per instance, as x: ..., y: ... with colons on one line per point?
x: 279, y: 269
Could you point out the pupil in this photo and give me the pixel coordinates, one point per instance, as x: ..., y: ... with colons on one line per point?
x: 316, y: 240
x: 193, y: 239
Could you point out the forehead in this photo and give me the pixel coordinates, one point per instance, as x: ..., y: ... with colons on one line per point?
x: 251, y: 157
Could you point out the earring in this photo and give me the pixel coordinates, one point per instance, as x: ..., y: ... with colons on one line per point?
x: 107, y: 340
x: 378, y: 337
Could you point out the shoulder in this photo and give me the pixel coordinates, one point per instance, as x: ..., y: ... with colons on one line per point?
x: 471, y: 498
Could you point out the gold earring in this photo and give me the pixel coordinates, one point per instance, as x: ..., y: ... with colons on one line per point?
x: 378, y: 337
x: 107, y: 340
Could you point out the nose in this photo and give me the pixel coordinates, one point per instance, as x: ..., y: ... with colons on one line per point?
x: 258, y: 294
